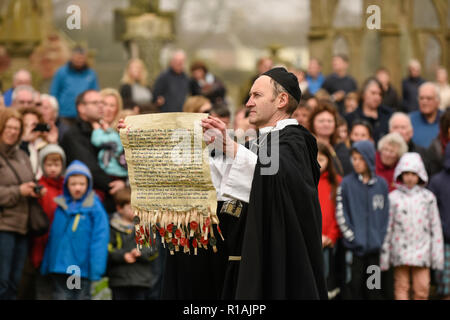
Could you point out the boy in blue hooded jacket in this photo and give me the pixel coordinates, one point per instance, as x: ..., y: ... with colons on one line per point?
x: 362, y: 214
x: 77, y: 249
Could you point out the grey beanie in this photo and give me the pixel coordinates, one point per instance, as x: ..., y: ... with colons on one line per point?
x: 49, y: 149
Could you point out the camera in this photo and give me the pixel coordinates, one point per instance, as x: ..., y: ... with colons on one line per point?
x: 37, y: 189
x: 42, y: 127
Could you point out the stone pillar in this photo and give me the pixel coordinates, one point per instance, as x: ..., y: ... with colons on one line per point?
x: 319, y: 42
x: 390, y: 41
x: 320, y: 47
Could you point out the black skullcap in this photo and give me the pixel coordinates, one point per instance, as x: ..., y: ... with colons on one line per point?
x: 287, y: 80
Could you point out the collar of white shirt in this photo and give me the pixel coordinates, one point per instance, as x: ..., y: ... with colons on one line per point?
x: 280, y: 125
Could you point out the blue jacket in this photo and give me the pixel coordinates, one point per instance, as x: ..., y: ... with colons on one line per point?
x: 314, y: 85
x: 80, y: 232
x: 440, y: 186
x: 362, y: 210
x: 7, y: 97
x: 67, y: 84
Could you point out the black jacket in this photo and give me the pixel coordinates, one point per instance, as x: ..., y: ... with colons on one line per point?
x: 334, y: 83
x: 390, y: 99
x: 121, y: 273
x: 215, y: 93
x: 77, y: 146
x: 380, y: 126
x: 174, y: 88
x: 410, y: 92
x: 435, y: 158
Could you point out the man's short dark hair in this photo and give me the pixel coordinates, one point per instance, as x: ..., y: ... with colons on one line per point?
x: 199, y: 65
x: 80, y: 98
x: 292, y: 102
x: 364, y: 123
x: 221, y: 109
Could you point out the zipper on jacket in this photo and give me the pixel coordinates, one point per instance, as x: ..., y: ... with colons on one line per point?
x: 75, y: 222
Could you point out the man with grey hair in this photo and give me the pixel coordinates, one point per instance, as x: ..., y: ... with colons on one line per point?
x: 20, y: 78
x: 410, y: 86
x: 24, y: 96
x: 172, y: 85
x: 401, y: 123
x: 425, y: 121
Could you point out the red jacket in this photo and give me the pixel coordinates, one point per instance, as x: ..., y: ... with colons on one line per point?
x: 328, y: 205
x: 54, y: 189
x: 386, y: 172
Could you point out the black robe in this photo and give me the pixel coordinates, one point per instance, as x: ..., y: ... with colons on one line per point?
x: 201, y: 276
x: 281, y: 253
x: 281, y: 250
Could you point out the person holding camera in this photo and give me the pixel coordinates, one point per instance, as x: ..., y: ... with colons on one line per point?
x: 16, y: 190
x: 33, y: 139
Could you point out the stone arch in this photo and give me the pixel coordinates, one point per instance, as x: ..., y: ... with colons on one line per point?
x: 425, y: 15
x: 341, y: 45
x: 348, y: 14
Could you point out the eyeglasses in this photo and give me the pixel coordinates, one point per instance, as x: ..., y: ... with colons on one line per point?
x: 11, y: 128
x: 26, y: 102
x: 93, y: 102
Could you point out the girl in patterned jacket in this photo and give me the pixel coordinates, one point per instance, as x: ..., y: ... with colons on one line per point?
x: 414, y: 241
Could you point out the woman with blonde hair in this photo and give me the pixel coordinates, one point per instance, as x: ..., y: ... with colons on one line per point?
x: 134, y: 89
x: 106, y: 137
x: 197, y: 104
x: 112, y: 106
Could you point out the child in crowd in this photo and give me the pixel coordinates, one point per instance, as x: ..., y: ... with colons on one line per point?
x: 362, y: 214
x: 342, y: 131
x: 361, y: 130
x: 328, y: 184
x: 302, y: 114
x: 53, y: 161
x: 414, y: 241
x: 77, y: 248
x: 129, y: 270
x: 351, y: 102
x: 111, y: 156
x: 440, y: 186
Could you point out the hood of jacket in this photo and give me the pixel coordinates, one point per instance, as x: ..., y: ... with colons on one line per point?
x: 411, y: 162
x: 77, y: 167
x: 120, y: 224
x: 367, y: 149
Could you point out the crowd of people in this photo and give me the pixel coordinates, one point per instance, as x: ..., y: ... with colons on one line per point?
x: 383, y: 189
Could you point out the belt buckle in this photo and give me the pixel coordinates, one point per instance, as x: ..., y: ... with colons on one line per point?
x: 232, y: 207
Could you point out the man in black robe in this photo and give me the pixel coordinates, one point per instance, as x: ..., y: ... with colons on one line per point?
x: 274, y: 243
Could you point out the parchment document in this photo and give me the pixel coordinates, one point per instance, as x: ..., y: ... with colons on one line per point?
x: 171, y: 189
